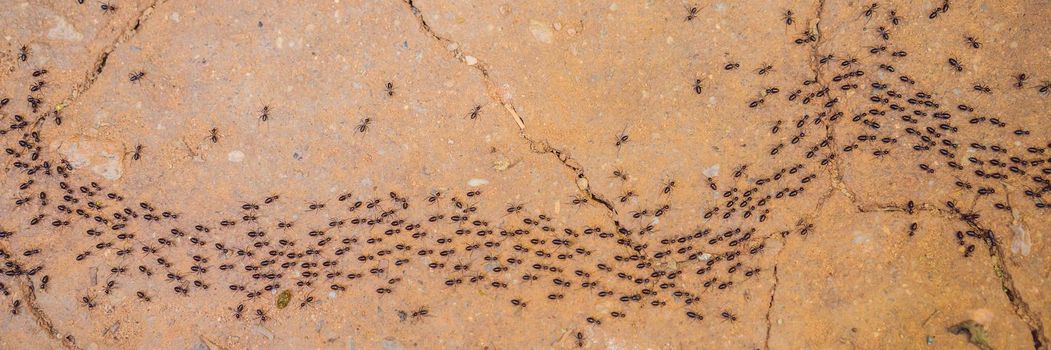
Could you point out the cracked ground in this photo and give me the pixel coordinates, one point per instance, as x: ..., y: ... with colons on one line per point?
x: 507, y: 174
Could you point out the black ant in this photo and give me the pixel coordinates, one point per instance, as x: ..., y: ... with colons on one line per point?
x: 107, y: 7
x: 973, y: 42
x: 787, y: 17
x: 264, y: 114
x: 214, y: 135
x: 136, y: 76
x: 138, y: 152
x: 871, y: 9
x: 364, y: 126
x: 692, y: 13
x: 697, y: 87
x: 473, y: 114
x: 23, y: 53
x: 390, y: 89
x: 1020, y: 80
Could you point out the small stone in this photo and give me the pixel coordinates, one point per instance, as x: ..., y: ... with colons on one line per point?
x: 470, y: 60
x: 235, y: 156
x: 582, y: 184
x: 64, y: 31
x: 391, y: 344
x: 263, y: 332
x: 541, y: 31
x: 477, y: 182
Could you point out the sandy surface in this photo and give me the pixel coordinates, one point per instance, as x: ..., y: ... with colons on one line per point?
x: 510, y: 174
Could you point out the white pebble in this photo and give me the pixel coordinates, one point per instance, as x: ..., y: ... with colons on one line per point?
x: 235, y: 156
x: 477, y: 182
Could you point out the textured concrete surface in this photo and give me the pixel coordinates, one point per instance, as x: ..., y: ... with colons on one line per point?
x: 545, y: 174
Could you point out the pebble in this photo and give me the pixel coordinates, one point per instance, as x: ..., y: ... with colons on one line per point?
x: 477, y: 182
x: 541, y: 31
x: 712, y: 171
x: 235, y: 156
x: 391, y: 344
x: 470, y: 60
x: 263, y: 332
x: 102, y: 158
x: 64, y: 31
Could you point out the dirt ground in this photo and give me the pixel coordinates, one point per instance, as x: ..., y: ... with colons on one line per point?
x: 525, y: 174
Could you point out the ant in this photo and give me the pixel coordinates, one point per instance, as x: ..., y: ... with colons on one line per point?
x: 973, y: 42
x: 23, y: 53
x: 390, y: 89
x: 264, y: 114
x: 728, y: 316
x: 1020, y: 80
x: 138, y: 152
x: 1044, y: 87
x: 364, y: 126
x: 787, y: 16
x: 692, y: 13
x: 697, y: 87
x: 766, y: 68
x: 668, y: 187
x: 136, y: 76
x: 214, y: 135
x: 622, y: 138
x: 88, y: 301
x: 473, y: 114
x: 871, y: 9
x: 107, y: 7
x: 620, y: 174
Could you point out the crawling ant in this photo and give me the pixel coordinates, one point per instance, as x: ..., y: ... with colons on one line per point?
x: 473, y: 114
x: 728, y: 316
x: 973, y: 42
x: 870, y: 10
x: 955, y: 64
x: 389, y: 89
x: 364, y: 125
x: 894, y: 18
x: 697, y: 87
x: 883, y: 33
x: 138, y: 152
x: 23, y: 53
x: 142, y: 296
x: 239, y: 311
x: 136, y: 76
x: 88, y: 301
x: 1044, y: 87
x: 766, y: 68
x: 622, y: 138
x: 261, y: 315
x: 264, y: 114
x: 620, y: 174
x: 1020, y: 80
x: 214, y: 135
x: 107, y: 7
x: 787, y: 16
x: 692, y: 13
x: 668, y: 187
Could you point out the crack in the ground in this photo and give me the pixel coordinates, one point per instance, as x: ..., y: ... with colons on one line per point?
x: 99, y: 65
x: 1021, y: 308
x: 41, y: 318
x: 769, y: 307
x: 539, y: 147
x: 25, y: 284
